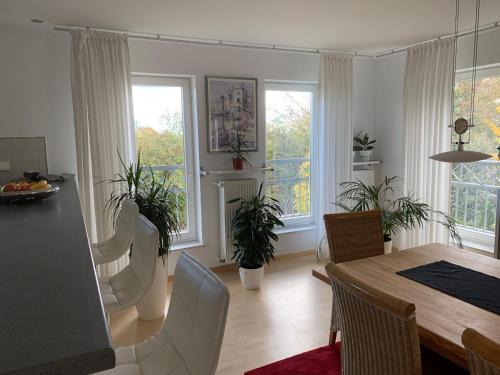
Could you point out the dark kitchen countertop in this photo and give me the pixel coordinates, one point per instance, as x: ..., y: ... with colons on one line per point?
x: 51, y: 316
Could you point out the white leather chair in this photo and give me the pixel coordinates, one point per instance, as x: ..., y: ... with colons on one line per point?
x: 117, y: 245
x: 189, y: 342
x: 128, y: 286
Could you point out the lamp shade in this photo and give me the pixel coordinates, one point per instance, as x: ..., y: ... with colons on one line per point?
x: 460, y: 156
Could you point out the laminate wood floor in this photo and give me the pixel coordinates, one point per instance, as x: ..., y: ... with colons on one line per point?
x: 290, y: 314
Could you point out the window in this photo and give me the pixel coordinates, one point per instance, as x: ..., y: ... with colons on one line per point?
x: 474, y: 185
x: 164, y: 136
x: 290, y: 149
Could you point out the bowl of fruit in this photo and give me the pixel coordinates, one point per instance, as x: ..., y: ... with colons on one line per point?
x: 22, y: 190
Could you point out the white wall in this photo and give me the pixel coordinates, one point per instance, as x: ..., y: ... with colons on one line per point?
x: 488, y: 50
x: 35, y: 92
x: 388, y: 94
x: 363, y: 118
x: 35, y: 100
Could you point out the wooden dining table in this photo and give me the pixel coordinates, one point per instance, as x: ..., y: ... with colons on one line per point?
x: 441, y: 318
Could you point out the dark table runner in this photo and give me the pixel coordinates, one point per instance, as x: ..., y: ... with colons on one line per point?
x: 470, y: 286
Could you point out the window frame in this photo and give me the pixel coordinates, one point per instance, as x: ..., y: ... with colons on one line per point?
x: 485, y: 71
x: 191, y: 162
x: 306, y: 221
x: 472, y: 237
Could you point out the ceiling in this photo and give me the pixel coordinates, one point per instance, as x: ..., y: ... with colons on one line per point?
x: 356, y: 25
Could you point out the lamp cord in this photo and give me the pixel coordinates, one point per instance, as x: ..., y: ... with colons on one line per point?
x: 452, y: 104
x: 474, y: 64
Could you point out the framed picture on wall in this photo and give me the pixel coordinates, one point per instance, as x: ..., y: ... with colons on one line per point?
x: 231, y: 109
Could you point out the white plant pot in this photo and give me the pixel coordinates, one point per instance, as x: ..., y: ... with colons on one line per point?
x: 152, y: 305
x: 365, y: 155
x: 252, y: 278
x: 388, y: 247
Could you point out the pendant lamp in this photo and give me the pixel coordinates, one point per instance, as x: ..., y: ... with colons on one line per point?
x: 461, y: 125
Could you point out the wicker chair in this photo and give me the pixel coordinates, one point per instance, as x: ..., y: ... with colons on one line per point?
x: 379, y: 331
x: 351, y: 236
x: 483, y: 353
x: 354, y: 235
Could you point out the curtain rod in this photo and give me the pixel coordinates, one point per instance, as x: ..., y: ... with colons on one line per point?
x: 216, y: 43
x: 462, y: 34
x: 273, y: 47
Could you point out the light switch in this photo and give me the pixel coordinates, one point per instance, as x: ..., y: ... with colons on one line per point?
x: 4, y: 165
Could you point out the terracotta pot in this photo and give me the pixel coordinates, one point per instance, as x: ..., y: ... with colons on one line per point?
x: 237, y: 164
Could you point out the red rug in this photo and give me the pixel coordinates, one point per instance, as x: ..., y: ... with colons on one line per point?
x: 321, y: 361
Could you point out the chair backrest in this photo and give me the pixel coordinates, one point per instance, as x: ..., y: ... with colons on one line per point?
x: 125, y: 223
x: 144, y: 252
x: 379, y: 331
x: 354, y: 235
x: 483, y: 353
x: 197, y: 314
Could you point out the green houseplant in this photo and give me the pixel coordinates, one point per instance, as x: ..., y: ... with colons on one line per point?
x: 356, y: 148
x: 403, y: 213
x: 238, y: 151
x: 157, y: 198
x: 252, y: 226
x: 364, y: 145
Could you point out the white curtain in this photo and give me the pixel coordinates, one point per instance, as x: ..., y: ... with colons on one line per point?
x: 427, y: 95
x: 335, y: 135
x: 102, y: 106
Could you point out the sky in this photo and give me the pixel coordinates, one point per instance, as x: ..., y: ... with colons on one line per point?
x: 278, y: 101
x: 150, y: 101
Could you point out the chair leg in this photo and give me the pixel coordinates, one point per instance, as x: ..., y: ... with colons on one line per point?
x: 333, y: 338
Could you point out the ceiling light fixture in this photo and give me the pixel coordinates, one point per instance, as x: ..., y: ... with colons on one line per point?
x: 461, y: 125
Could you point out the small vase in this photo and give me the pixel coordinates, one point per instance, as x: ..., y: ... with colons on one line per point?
x: 388, y: 247
x: 238, y: 164
x: 355, y: 156
x: 365, y: 155
x: 252, y: 278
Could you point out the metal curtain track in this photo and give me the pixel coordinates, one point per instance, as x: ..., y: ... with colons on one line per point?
x: 271, y: 47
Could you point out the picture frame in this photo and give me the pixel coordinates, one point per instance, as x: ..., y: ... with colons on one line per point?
x: 231, y: 107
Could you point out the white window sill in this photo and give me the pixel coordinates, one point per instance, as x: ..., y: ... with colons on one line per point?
x: 295, y: 228
x: 477, y: 239
x: 186, y: 245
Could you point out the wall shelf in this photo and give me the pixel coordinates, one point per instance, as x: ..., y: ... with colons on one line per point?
x: 371, y: 162
x: 204, y: 172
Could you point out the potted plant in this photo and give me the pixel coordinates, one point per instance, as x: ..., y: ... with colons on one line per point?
x: 238, y: 150
x: 158, y: 200
x: 356, y: 148
x: 252, y: 226
x: 364, y: 146
x: 403, y: 213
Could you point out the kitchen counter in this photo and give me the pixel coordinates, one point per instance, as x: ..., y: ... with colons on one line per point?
x: 51, y: 316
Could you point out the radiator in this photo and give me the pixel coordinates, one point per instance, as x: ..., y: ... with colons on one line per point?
x: 365, y: 176
x: 228, y: 190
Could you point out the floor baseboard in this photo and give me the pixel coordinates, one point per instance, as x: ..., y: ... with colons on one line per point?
x: 233, y: 267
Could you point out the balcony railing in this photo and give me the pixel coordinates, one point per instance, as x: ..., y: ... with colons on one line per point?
x: 177, y: 171
x: 474, y: 194
x: 290, y: 183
